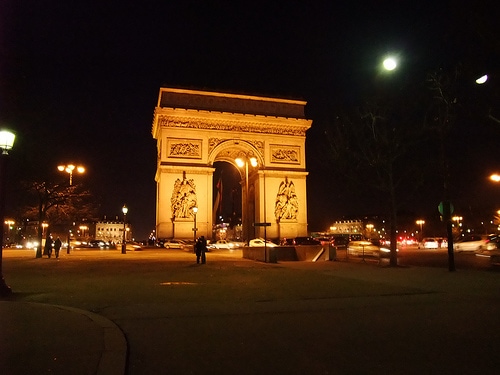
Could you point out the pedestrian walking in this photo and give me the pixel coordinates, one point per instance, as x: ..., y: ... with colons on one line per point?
x: 203, y: 249
x: 48, y: 246
x: 57, y: 246
x: 200, y: 247
x: 197, y: 249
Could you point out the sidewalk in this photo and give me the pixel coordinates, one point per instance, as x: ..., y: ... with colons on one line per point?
x: 48, y: 339
x: 160, y: 312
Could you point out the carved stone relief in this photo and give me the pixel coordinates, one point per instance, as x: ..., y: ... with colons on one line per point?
x: 287, y: 205
x: 183, y: 198
x: 214, y: 142
x: 285, y: 154
x: 232, y: 126
x: 184, y: 148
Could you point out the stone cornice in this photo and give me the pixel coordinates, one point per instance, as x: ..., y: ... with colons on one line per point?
x: 231, y: 103
x: 231, y: 122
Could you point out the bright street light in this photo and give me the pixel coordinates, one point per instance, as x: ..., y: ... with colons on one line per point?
x: 390, y: 63
x: 124, y: 242
x: 482, y: 79
x: 9, y: 224
x: 495, y: 177
x: 69, y: 169
x: 421, y: 223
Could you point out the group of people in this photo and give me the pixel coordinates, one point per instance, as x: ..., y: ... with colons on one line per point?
x: 200, y: 248
x: 49, y: 245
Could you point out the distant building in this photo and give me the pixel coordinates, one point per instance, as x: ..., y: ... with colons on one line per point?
x: 346, y: 227
x: 112, y: 231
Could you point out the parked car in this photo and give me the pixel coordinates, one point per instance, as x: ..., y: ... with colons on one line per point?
x: 367, y: 248
x: 133, y: 246
x: 306, y: 241
x: 287, y: 242
x: 223, y: 244
x: 340, y: 241
x: 260, y: 242
x: 98, y: 244
x: 172, y: 244
x: 429, y: 243
x: 476, y: 242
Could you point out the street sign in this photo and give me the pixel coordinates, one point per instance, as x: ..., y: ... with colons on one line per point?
x: 261, y: 224
x: 441, y: 208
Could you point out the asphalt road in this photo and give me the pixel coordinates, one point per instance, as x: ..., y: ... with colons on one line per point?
x: 413, y: 256
x: 238, y: 316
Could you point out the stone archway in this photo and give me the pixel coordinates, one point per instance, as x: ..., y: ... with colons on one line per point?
x: 195, y: 129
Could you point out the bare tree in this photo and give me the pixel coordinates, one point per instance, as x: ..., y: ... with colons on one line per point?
x: 57, y: 203
x: 376, y: 147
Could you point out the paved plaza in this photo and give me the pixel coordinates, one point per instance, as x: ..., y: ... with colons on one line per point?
x: 158, y: 312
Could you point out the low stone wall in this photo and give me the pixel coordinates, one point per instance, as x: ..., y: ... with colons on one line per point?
x: 308, y: 252
x: 286, y: 253
x: 261, y: 254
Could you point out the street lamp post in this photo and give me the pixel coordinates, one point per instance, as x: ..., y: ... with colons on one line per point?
x: 124, y: 242
x: 9, y: 224
x: 195, y: 211
x: 6, y: 142
x: 458, y: 219
x: 44, y: 227
x: 69, y: 169
x: 421, y: 223
x: 241, y: 162
x: 83, y: 228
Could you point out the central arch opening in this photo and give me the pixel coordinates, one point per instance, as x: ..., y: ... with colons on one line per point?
x: 233, y: 209
x: 227, y: 194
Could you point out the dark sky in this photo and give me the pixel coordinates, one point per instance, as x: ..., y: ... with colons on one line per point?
x: 79, y: 80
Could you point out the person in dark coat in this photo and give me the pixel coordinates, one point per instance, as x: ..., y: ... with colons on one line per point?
x: 200, y: 247
x: 203, y: 249
x: 48, y: 246
x: 197, y: 249
x: 57, y: 246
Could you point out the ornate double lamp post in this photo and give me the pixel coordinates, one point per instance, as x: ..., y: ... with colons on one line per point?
x: 124, y: 241
x: 421, y: 223
x: 195, y: 211
x: 6, y: 143
x: 69, y: 168
x: 244, y: 161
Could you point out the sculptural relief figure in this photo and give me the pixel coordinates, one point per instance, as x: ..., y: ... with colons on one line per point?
x: 183, y: 198
x: 287, y: 204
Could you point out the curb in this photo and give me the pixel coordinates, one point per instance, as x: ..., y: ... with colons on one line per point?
x: 114, y: 356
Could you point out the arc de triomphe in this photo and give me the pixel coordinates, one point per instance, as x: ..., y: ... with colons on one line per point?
x: 195, y: 129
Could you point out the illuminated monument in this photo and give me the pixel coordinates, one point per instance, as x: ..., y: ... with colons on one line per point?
x: 195, y: 129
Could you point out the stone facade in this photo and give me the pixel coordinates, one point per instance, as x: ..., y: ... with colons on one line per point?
x: 195, y: 129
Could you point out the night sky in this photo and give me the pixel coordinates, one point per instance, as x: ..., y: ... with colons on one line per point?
x: 79, y: 81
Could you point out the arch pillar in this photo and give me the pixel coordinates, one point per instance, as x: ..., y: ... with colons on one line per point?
x: 169, y: 222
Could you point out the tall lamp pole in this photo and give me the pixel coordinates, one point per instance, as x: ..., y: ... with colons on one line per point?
x: 6, y: 142
x: 124, y: 242
x: 69, y: 168
x: 421, y: 223
x: 9, y: 224
x: 243, y: 162
x: 195, y: 211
